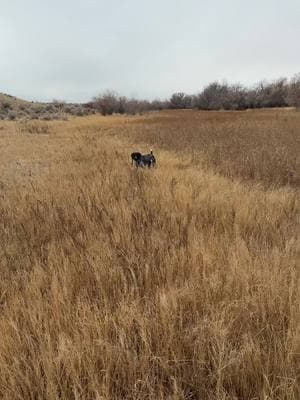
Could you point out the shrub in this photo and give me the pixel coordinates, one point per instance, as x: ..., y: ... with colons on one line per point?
x: 293, y: 96
x: 12, y: 115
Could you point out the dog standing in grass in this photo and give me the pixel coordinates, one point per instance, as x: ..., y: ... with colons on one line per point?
x: 143, y: 160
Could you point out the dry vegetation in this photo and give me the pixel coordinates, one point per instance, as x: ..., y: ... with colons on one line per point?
x: 259, y: 146
x: 13, y: 108
x: 175, y: 283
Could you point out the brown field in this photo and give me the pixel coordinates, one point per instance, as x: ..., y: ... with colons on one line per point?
x: 180, y: 282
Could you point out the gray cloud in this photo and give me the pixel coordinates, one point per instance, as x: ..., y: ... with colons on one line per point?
x: 74, y: 49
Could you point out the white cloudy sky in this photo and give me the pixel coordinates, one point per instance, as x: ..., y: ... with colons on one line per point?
x: 75, y: 49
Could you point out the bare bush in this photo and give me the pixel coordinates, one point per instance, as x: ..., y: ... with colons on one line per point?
x: 293, y: 97
x: 110, y: 102
x: 180, y: 100
x: 107, y: 103
x: 223, y: 96
x: 12, y: 115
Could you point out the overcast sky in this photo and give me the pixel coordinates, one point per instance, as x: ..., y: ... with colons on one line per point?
x: 75, y: 49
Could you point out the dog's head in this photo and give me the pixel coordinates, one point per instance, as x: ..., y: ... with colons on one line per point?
x: 136, y: 156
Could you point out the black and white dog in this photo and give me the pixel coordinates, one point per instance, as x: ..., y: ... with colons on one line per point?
x: 143, y: 160
x: 135, y: 158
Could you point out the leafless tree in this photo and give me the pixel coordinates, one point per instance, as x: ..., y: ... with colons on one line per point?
x: 107, y: 103
x: 215, y: 96
x: 293, y: 96
x: 180, y: 100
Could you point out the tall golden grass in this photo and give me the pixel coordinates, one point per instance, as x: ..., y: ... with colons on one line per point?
x: 258, y: 146
x: 180, y: 282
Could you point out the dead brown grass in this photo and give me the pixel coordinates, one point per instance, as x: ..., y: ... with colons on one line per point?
x: 261, y: 146
x: 117, y: 283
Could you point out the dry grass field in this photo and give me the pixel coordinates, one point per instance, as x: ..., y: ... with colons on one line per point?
x: 179, y: 282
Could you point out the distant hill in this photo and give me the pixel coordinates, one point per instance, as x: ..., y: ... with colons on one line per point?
x: 12, y: 108
x: 7, y: 98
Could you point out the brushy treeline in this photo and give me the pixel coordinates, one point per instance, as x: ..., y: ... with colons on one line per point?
x: 122, y: 283
x: 215, y: 96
